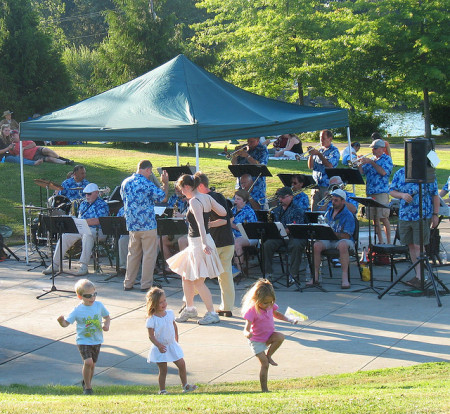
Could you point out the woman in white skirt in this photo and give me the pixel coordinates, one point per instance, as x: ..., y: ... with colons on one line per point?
x: 200, y: 259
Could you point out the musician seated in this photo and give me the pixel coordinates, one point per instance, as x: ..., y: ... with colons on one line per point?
x: 246, y: 183
x: 352, y: 155
x: 342, y: 222
x: 301, y: 199
x: 292, y: 148
x: 241, y: 213
x: 335, y: 183
x: 90, y: 209
x: 73, y: 186
x: 286, y: 213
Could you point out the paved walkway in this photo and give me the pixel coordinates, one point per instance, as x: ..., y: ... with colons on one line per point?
x: 347, y: 331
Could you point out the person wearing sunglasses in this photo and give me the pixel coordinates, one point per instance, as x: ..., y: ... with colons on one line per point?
x: 88, y: 315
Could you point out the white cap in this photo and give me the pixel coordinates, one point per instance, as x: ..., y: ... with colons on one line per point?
x: 90, y: 188
x: 339, y: 193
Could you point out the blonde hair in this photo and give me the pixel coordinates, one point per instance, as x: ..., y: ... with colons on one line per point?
x: 153, y: 296
x: 82, y: 285
x: 260, y: 290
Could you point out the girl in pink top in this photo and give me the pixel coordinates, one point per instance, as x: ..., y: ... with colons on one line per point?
x: 259, y: 309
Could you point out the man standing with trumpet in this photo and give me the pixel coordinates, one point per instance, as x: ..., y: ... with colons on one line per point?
x: 377, y: 170
x: 327, y: 156
x: 253, y: 153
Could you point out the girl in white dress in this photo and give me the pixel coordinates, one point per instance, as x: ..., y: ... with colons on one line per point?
x: 163, y: 333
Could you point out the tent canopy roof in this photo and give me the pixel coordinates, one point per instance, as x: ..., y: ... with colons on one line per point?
x: 179, y: 102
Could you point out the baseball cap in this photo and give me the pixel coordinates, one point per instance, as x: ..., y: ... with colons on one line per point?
x: 378, y: 143
x: 90, y: 188
x: 284, y: 191
x: 339, y: 193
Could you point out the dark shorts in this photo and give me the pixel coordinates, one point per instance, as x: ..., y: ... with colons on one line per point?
x: 89, y: 351
x: 409, y: 231
x: 38, y: 154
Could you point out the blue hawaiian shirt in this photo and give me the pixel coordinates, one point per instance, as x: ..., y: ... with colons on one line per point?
x: 245, y: 215
x: 445, y: 188
x: 121, y: 212
x: 139, y: 196
x: 182, y: 205
x: 350, y: 200
x: 99, y: 208
x: 301, y: 200
x: 343, y: 222
x: 292, y: 215
x: 332, y: 154
x: 260, y: 154
x: 410, y: 211
x: 376, y: 183
x: 71, y: 183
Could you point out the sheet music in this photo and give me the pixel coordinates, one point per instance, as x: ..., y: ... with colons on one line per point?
x: 82, y: 226
x: 159, y: 210
x: 241, y: 229
x: 282, y: 230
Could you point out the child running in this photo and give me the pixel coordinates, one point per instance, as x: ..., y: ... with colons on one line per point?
x: 259, y: 309
x: 88, y: 315
x: 163, y: 333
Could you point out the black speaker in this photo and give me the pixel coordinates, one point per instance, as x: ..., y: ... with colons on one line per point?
x: 418, y: 168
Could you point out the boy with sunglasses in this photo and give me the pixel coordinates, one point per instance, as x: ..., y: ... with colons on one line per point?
x: 88, y: 315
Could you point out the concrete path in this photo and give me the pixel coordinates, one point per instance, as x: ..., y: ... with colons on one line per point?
x: 347, y: 331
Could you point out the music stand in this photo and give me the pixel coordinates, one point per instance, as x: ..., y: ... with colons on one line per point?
x: 60, y: 224
x: 348, y: 175
x: 369, y: 202
x: 286, y: 179
x: 114, y: 226
x: 255, y: 170
x: 312, y: 232
x: 313, y: 216
x: 169, y: 227
x: 176, y: 172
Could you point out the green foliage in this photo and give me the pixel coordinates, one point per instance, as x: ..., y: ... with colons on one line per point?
x: 439, y: 115
x: 363, y: 124
x: 35, y: 78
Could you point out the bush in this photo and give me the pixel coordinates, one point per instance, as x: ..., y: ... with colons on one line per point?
x: 363, y: 124
x: 439, y: 117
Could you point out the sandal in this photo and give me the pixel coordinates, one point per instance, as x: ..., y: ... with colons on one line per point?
x: 414, y: 282
x: 312, y: 282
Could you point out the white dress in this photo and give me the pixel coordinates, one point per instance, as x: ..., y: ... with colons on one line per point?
x: 165, y: 334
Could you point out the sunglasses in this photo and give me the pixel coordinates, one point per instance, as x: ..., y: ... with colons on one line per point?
x: 89, y: 295
x: 88, y: 193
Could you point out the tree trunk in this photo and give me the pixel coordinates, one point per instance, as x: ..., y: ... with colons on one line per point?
x: 426, y: 113
x: 301, y: 98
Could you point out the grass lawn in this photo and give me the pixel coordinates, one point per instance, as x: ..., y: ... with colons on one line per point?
x: 418, y: 389
x: 107, y: 165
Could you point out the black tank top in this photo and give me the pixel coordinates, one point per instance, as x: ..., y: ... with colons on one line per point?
x: 193, y: 227
x: 297, y: 148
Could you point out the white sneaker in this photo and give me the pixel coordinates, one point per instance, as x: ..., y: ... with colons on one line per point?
x: 83, y: 270
x: 48, y: 271
x: 186, y: 314
x: 189, y: 388
x: 209, y: 318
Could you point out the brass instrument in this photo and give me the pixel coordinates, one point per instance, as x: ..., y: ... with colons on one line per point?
x: 305, y: 155
x: 308, y: 187
x: 358, y: 161
x: 230, y: 155
x: 269, y: 215
x: 175, y: 209
x: 327, y: 198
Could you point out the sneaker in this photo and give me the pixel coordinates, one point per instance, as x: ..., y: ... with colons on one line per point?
x: 235, y: 271
x: 209, y: 318
x: 48, y: 271
x: 83, y: 270
x: 186, y: 314
x: 189, y: 388
x: 163, y: 392
x: 88, y: 391
x: 336, y: 262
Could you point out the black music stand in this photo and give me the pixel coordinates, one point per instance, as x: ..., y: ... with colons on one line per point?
x: 286, y: 179
x: 114, y: 226
x: 169, y: 227
x: 348, y: 175
x: 312, y: 232
x: 255, y: 170
x: 60, y: 225
x: 263, y: 232
x: 313, y: 216
x: 176, y: 172
x: 369, y: 202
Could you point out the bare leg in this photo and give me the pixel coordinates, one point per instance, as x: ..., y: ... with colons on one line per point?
x: 274, y: 342
x: 318, y: 248
x: 377, y: 227
x: 189, y: 292
x: 264, y: 371
x: 54, y: 160
x: 345, y: 259
x: 204, y: 293
x: 181, y: 365
x: 414, y: 252
x: 88, y: 372
x: 162, y: 366
x: 387, y: 229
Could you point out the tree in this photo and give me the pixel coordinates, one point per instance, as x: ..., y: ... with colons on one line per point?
x: 35, y: 78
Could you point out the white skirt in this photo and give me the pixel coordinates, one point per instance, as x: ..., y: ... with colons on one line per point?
x: 173, y: 353
x: 193, y: 263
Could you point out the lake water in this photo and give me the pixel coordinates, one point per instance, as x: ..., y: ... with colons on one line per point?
x: 406, y: 124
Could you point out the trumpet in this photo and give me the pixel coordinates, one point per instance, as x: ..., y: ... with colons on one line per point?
x: 230, y: 155
x: 327, y: 198
x: 358, y: 161
x: 305, y: 155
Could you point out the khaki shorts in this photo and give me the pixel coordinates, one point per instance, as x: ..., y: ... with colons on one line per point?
x: 378, y: 212
x: 409, y: 231
x: 89, y: 351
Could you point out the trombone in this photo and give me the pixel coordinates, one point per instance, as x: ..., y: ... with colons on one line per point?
x: 327, y: 198
x: 305, y: 155
x: 358, y: 161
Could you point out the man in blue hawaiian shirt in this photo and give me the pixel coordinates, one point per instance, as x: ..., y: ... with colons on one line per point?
x: 409, y: 217
x: 73, y: 186
x: 335, y: 183
x: 301, y: 199
x: 139, y: 196
x: 445, y: 190
x: 342, y: 222
x: 327, y: 156
x: 90, y: 209
x: 286, y: 213
x: 254, y: 153
x: 377, y: 171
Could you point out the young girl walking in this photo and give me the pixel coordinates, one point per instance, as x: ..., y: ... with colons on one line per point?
x: 163, y: 333
x: 259, y: 309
